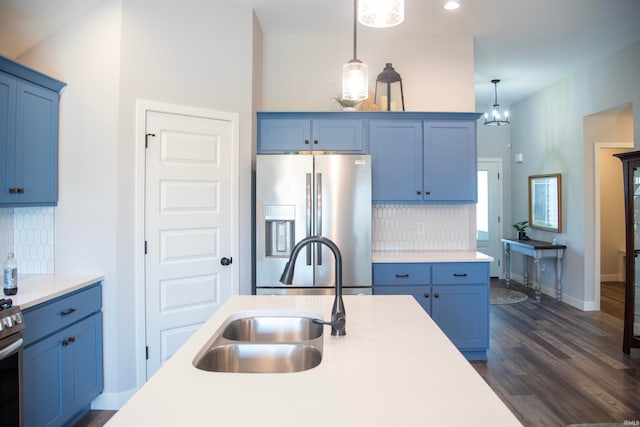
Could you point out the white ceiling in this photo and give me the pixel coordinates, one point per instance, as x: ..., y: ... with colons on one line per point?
x: 526, y: 43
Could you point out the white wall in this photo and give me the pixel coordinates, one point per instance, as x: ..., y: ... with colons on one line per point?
x: 303, y: 72
x: 549, y: 132
x: 86, y: 55
x: 612, y: 225
x: 191, y: 53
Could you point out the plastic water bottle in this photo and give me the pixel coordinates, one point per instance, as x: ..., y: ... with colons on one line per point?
x: 10, y: 275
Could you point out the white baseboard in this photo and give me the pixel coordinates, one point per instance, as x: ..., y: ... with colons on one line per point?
x: 568, y: 299
x: 616, y: 277
x: 112, y: 401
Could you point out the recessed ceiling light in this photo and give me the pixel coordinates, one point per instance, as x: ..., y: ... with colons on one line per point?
x: 452, y: 5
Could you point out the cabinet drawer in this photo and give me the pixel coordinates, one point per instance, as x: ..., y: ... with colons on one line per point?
x: 59, y: 313
x: 401, y: 274
x: 461, y: 273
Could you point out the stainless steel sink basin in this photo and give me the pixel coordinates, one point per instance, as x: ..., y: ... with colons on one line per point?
x: 260, y: 358
x: 272, y: 329
x: 263, y: 342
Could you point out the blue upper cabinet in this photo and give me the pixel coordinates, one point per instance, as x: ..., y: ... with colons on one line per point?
x: 428, y: 160
x: 450, y: 162
x: 293, y: 132
x: 28, y: 136
x: 396, y: 160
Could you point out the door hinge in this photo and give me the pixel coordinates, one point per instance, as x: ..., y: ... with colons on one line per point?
x: 498, y: 175
x: 498, y: 219
x: 146, y: 139
x: 145, y: 247
x: 146, y: 351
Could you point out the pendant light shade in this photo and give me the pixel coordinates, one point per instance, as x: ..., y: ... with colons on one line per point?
x: 355, y: 73
x: 381, y: 13
x: 496, y: 118
x: 355, y: 80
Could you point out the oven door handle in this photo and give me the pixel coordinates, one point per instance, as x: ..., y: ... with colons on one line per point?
x: 6, y: 352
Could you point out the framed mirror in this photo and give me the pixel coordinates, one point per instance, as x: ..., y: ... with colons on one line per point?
x: 545, y: 202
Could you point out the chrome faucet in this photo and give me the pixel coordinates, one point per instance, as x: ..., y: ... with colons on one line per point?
x: 338, y: 314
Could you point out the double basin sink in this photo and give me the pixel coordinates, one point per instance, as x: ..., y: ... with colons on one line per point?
x: 277, y: 342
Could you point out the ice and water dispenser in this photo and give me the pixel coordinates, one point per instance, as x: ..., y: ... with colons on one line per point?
x: 280, y: 221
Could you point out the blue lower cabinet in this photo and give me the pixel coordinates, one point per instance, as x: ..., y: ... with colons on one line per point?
x: 455, y: 295
x: 43, y: 375
x: 63, y: 370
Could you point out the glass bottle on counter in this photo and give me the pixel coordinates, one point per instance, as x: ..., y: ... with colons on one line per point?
x: 10, y: 275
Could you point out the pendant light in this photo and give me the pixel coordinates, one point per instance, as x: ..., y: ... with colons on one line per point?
x: 355, y: 73
x: 497, y: 119
x: 381, y: 13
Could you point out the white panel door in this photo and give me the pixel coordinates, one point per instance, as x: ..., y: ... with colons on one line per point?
x: 188, y: 227
x: 489, y: 213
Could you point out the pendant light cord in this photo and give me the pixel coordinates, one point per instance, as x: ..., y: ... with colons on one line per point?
x: 355, y: 23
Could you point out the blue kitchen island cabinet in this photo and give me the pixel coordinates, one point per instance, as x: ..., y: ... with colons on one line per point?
x: 62, y: 357
x: 455, y: 295
x: 292, y: 132
x: 28, y: 136
x: 431, y: 160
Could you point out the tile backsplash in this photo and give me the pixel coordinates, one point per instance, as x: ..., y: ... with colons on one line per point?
x: 423, y: 227
x: 29, y: 233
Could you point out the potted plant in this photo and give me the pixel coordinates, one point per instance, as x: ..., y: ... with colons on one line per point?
x: 521, y: 227
x: 346, y: 104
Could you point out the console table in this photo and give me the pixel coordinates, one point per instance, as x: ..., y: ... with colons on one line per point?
x: 537, y: 250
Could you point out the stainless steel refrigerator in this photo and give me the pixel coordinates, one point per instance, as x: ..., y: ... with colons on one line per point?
x: 303, y: 195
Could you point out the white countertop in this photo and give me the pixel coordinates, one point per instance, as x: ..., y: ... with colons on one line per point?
x: 394, y: 367
x: 34, y: 290
x: 429, y: 256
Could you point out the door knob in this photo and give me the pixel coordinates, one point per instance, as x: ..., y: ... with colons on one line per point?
x: 226, y: 261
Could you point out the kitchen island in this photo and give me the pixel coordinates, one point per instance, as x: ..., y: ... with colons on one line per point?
x: 394, y: 367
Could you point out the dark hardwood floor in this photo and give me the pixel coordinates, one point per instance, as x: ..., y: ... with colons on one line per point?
x: 551, y: 364
x: 612, y: 298
x: 554, y: 365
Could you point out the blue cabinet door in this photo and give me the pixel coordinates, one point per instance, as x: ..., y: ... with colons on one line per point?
x: 7, y: 134
x: 293, y: 132
x: 461, y: 311
x: 63, y: 373
x: 28, y: 143
x: 283, y: 135
x: 450, y: 161
x: 36, y: 145
x: 343, y: 135
x: 396, y: 160
x: 85, y: 363
x: 43, y: 377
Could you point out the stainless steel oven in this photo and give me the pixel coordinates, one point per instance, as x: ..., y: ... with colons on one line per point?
x: 11, y: 326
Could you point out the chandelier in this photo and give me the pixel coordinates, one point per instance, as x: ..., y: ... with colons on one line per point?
x: 497, y: 119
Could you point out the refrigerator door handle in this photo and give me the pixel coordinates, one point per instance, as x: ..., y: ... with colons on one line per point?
x: 319, y: 216
x: 309, y: 216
